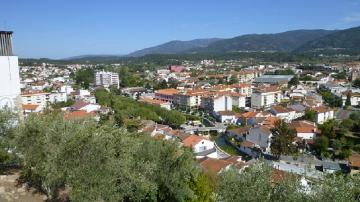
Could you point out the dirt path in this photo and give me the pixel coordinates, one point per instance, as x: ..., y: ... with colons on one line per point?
x: 11, y: 191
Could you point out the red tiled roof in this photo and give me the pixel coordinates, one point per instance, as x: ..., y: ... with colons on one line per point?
x: 29, y: 107
x: 169, y: 91
x: 78, y: 115
x: 192, y: 140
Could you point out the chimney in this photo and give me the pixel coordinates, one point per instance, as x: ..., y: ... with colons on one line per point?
x: 6, y: 43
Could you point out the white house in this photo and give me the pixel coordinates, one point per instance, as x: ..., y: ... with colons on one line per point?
x: 305, y: 129
x: 287, y: 114
x: 227, y: 116
x: 260, y: 136
x: 198, y: 144
x: 323, y: 114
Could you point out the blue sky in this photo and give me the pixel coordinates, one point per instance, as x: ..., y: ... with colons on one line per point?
x: 63, y: 28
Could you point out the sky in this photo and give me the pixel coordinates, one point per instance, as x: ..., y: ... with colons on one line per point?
x: 64, y: 28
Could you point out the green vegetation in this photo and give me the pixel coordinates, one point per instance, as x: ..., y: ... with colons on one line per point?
x: 294, y: 81
x: 309, y: 115
x: 336, y: 136
x: 282, y: 140
x: 59, y: 105
x: 356, y: 83
x: 254, y: 184
x: 84, y: 77
x: 340, y: 75
x: 102, y: 162
x: 331, y: 99
x: 127, y: 108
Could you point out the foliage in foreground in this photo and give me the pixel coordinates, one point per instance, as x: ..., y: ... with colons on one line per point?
x: 97, y: 163
x: 93, y: 162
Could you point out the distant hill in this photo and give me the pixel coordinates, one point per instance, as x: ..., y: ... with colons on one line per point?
x: 285, y: 41
x: 344, y: 41
x: 174, y: 47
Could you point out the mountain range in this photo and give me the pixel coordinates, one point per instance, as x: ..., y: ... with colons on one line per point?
x: 347, y: 40
x: 296, y: 41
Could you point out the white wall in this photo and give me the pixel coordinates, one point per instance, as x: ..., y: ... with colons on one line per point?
x: 203, y: 145
x: 9, y: 80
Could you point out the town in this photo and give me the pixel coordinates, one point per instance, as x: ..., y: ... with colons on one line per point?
x: 222, y: 110
x: 196, y: 101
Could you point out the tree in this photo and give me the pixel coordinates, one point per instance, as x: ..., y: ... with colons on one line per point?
x: 356, y: 83
x: 348, y: 100
x: 294, y: 81
x: 328, y: 129
x: 310, y: 115
x: 282, y: 139
x: 321, y: 144
x: 233, y: 79
x: 84, y: 77
x: 7, y: 121
x: 162, y: 85
x: 254, y: 184
x: 103, y: 162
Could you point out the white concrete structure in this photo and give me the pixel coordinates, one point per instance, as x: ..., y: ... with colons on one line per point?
x: 9, y: 73
x: 239, y: 100
x: 107, y: 79
x: 217, y: 103
x: 265, y: 97
x: 66, y: 89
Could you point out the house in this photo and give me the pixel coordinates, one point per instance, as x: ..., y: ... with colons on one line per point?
x: 216, y: 166
x: 283, y: 113
x: 198, y: 144
x: 227, y: 116
x: 323, y: 114
x: 264, y: 97
x: 239, y: 133
x: 81, y: 114
x: 30, y: 108
x: 354, y: 163
x: 85, y: 106
x: 260, y: 136
x: 299, y: 110
x: 305, y: 129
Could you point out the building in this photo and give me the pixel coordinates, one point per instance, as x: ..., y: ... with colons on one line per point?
x: 264, y: 97
x: 9, y: 74
x: 274, y: 79
x: 107, y: 79
x: 166, y: 95
x: 323, y: 114
x: 216, y: 103
x: 41, y: 98
x: 281, y: 112
x: 305, y: 129
x: 198, y: 144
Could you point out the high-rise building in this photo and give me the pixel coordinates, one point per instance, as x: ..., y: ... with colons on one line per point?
x: 106, y: 79
x: 9, y: 74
